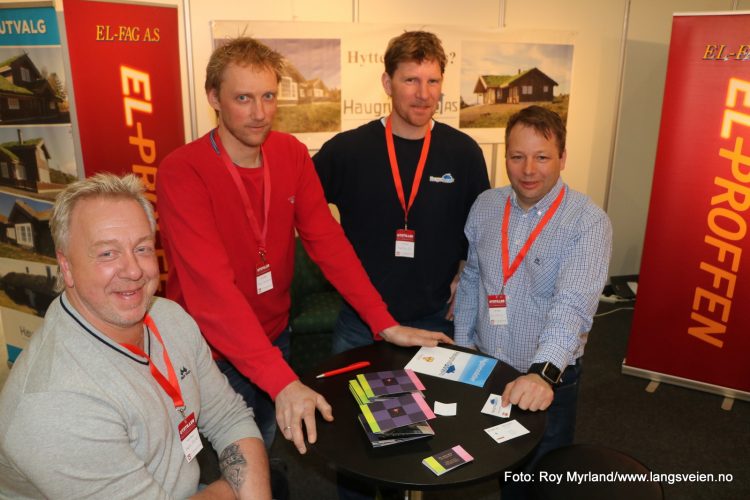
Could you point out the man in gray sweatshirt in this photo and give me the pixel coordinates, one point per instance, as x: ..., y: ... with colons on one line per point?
x: 107, y: 399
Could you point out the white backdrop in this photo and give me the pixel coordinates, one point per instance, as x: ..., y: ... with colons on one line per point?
x: 362, y: 48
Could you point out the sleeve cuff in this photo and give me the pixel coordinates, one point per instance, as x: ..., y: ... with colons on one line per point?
x: 283, y: 376
x: 382, y: 325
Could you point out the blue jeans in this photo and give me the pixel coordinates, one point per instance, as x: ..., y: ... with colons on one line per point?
x: 560, y: 430
x: 350, y: 331
x: 255, y: 398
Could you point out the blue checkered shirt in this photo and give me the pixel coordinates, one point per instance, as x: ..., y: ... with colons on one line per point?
x: 554, y: 292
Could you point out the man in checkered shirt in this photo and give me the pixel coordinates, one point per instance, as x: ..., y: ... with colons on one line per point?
x: 538, y: 260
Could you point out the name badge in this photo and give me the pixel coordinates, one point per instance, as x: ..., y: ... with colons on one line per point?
x: 189, y: 437
x: 263, y: 280
x: 498, y: 307
x: 405, y: 239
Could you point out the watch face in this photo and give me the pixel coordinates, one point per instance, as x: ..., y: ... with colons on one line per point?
x: 551, y: 373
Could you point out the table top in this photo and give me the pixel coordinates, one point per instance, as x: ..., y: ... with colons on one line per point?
x: 343, y: 443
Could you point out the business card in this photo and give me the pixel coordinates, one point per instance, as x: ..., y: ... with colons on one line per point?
x: 447, y: 460
x: 506, y: 431
x: 445, y: 409
x: 494, y: 406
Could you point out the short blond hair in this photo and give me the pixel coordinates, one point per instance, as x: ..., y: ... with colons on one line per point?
x: 243, y: 51
x: 101, y: 185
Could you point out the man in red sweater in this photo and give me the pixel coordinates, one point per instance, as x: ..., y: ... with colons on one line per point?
x: 229, y: 204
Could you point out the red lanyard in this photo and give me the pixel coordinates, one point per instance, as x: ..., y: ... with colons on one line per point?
x: 260, y: 234
x: 170, y: 385
x: 397, y: 174
x: 508, y: 271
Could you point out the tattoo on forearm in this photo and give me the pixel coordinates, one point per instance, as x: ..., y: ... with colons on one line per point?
x: 233, y: 465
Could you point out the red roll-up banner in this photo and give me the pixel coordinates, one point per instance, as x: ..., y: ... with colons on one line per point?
x: 692, y: 316
x: 125, y: 69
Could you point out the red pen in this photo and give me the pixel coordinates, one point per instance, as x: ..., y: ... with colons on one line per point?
x: 349, y: 368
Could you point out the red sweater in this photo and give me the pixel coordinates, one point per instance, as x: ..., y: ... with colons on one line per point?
x: 212, y: 252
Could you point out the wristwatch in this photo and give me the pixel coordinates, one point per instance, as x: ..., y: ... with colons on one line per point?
x: 549, y: 372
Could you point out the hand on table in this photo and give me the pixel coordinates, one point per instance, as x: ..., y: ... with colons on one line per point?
x: 295, y: 406
x: 528, y: 392
x: 407, y: 336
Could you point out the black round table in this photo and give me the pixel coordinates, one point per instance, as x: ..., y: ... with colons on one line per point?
x: 343, y: 444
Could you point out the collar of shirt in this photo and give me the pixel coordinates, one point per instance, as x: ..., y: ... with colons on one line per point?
x: 383, y: 120
x: 76, y: 316
x: 543, y: 205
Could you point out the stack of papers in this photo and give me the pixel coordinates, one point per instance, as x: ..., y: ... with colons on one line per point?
x: 393, y: 408
x: 372, y: 386
x: 391, y: 413
x: 395, y: 436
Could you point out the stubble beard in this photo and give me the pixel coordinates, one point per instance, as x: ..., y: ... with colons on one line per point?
x: 246, y: 138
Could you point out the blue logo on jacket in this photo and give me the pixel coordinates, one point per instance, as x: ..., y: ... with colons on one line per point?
x: 444, y: 179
